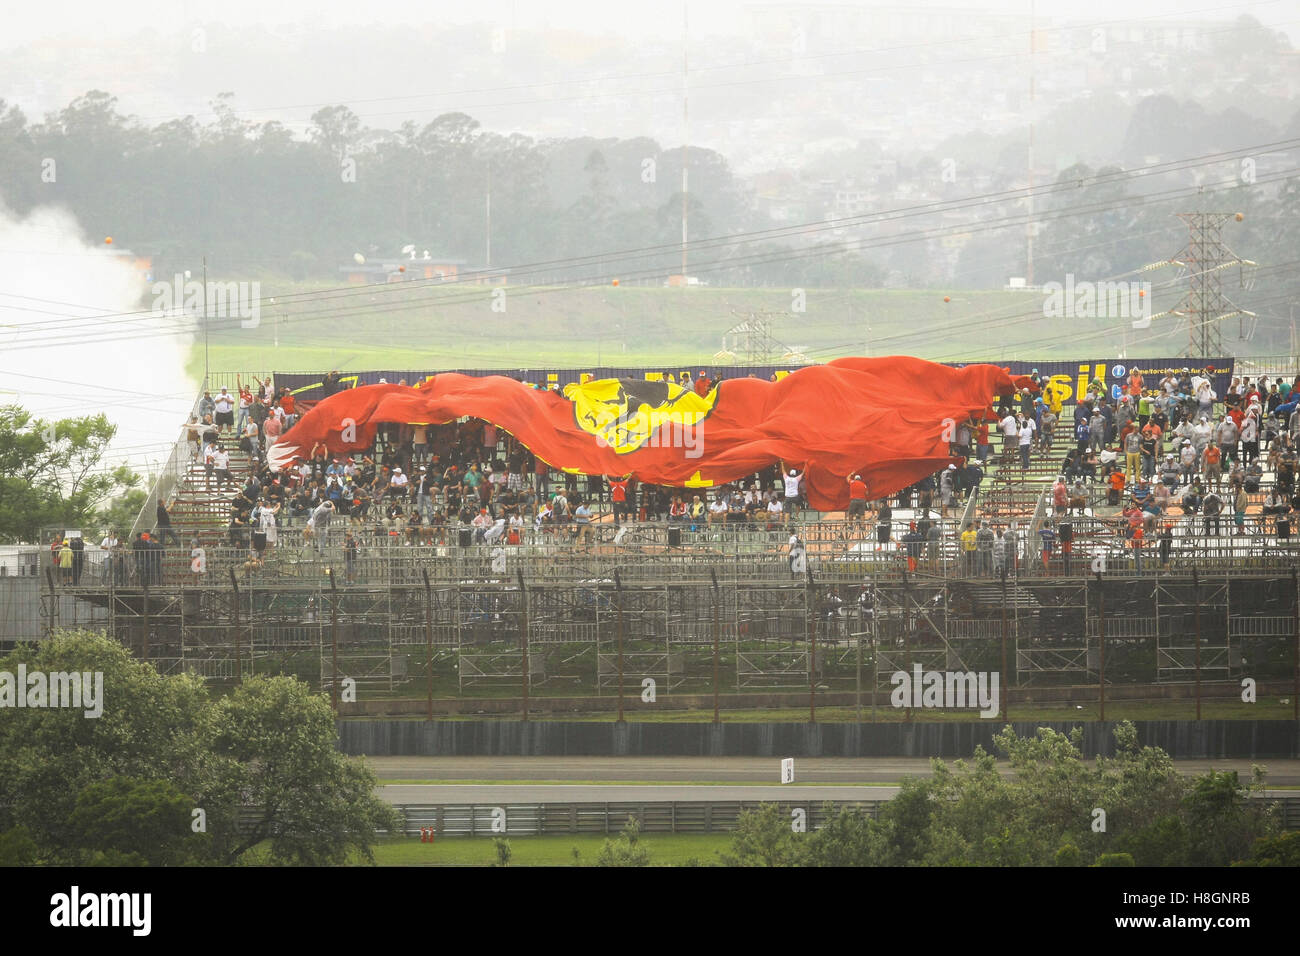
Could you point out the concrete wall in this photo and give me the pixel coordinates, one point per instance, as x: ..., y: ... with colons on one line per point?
x: 484, y: 738
x: 508, y: 707
x: 20, y: 609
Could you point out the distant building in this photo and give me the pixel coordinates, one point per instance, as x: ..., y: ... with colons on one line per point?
x: 402, y: 269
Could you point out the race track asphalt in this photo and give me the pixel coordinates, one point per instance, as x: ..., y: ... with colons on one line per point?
x: 664, y: 779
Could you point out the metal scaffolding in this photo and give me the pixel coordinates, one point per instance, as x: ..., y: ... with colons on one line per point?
x: 452, y: 621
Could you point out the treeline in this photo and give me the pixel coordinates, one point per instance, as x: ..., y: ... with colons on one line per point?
x: 262, y: 202
x: 259, y: 201
x: 1055, y: 809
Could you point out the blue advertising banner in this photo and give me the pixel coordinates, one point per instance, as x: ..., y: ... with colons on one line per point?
x: 1069, y: 378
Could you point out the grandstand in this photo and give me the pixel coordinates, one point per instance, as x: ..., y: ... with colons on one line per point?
x: 789, y: 604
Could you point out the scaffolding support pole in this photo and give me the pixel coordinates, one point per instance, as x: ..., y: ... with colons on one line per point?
x: 1295, y: 647
x: 714, y: 575
x: 1006, y: 684
x: 811, y: 598
x: 523, y: 635
x: 239, y: 670
x: 618, y: 598
x: 1196, y: 597
x: 428, y: 643
x: 334, y: 641
x: 1101, y: 633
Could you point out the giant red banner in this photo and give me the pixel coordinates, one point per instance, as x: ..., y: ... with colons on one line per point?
x: 888, y: 419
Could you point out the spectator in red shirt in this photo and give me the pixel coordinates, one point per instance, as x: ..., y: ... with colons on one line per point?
x: 702, y: 383
x: 857, y: 498
x: 542, y: 472
x: 618, y: 494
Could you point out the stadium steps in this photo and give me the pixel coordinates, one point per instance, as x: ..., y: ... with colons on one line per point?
x: 198, y: 510
x: 1013, y: 492
x: 988, y: 597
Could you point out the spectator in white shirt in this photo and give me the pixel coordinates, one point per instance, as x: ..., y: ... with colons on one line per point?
x: 209, y: 461
x: 251, y: 437
x: 792, y: 480
x: 225, y: 406
x: 775, y: 510
x: 1010, y: 429
x: 221, y: 464
x: 1027, y: 429
x: 398, y: 483
x: 718, y: 509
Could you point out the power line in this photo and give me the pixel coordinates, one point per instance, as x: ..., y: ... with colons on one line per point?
x: 716, y: 265
x: 767, y: 234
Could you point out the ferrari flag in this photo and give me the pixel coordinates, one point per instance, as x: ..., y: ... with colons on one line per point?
x: 889, y: 420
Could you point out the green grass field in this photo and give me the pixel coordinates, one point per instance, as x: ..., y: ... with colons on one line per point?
x: 666, y: 849
x: 411, y: 326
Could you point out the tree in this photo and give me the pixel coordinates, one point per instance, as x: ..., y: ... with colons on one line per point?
x: 1068, y: 855
x: 337, y: 129
x: 627, y: 849
x: 763, y: 837
x: 1283, y: 850
x: 52, y: 473
x: 17, y: 848
x: 1045, y: 814
x: 127, y: 822
x: 848, y: 838
x: 146, y: 731
x: 18, y: 187
x: 1223, y: 820
x: 272, y: 745
x: 120, y: 513
x: 905, y: 823
x: 268, y: 749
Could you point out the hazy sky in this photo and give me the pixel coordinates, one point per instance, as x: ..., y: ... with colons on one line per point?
x: 28, y: 22
x: 62, y: 48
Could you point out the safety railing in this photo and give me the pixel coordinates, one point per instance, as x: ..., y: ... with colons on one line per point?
x: 431, y: 821
x: 172, y: 473
x: 652, y: 553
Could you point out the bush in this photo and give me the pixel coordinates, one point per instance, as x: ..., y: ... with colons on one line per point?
x: 502, y: 847
x: 1281, y: 850
x: 626, y: 850
x: 1069, y: 855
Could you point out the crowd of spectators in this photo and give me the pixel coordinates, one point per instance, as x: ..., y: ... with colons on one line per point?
x: 1167, y: 457
x: 1162, y: 447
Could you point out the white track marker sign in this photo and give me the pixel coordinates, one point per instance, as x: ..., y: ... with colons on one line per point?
x: 787, y: 770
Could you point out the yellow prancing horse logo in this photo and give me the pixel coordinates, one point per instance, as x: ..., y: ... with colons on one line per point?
x: 626, y: 414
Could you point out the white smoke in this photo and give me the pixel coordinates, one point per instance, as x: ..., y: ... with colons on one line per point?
x: 77, y: 336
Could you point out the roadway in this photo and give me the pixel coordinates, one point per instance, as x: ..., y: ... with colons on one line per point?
x: 496, y: 794
x: 656, y: 779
